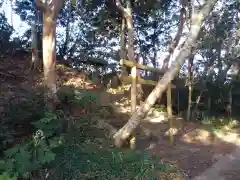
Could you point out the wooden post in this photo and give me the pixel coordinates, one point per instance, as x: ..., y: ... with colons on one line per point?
x: 209, y: 103
x: 190, y: 73
x: 230, y: 103
x: 169, y: 111
x: 178, y: 103
x: 189, y: 102
x: 134, y: 89
x: 133, y: 101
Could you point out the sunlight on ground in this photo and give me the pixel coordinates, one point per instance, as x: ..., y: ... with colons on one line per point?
x: 198, y: 135
x: 207, y: 138
x: 174, y: 131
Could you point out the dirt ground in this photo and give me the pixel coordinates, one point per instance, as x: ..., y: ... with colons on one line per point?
x: 193, y: 155
x: 195, y: 149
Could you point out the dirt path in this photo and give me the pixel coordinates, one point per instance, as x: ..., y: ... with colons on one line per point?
x: 195, y: 150
x: 227, y: 168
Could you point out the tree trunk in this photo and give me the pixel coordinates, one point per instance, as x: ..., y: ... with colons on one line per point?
x: 35, y: 58
x: 190, y: 65
x: 49, y: 52
x: 176, y: 40
x: 122, y: 52
x: 129, y: 22
x: 169, y: 111
x: 50, y: 9
x: 157, y: 92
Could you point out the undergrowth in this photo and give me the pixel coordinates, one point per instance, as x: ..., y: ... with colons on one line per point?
x: 219, y: 124
x: 37, y: 144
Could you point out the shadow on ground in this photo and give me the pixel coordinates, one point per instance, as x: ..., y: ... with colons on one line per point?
x: 194, y: 150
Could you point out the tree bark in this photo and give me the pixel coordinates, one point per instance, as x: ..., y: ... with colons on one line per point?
x: 169, y: 111
x: 50, y: 10
x: 122, y: 53
x: 190, y: 89
x: 176, y: 40
x: 35, y: 58
x: 129, y: 22
x: 49, y: 52
x: 157, y: 92
x: 127, y: 14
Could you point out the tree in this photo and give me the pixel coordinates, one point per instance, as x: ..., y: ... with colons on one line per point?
x: 197, y: 20
x: 127, y: 14
x: 6, y: 31
x: 50, y: 10
x: 177, y: 38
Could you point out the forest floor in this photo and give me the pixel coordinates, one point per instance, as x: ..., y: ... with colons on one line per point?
x: 196, y: 147
x: 227, y: 168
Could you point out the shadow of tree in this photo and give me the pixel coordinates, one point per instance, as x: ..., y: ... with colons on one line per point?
x: 194, y: 150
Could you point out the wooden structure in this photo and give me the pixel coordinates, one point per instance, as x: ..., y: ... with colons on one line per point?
x: 128, y: 79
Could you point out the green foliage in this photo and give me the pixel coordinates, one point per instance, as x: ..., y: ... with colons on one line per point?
x: 85, y: 153
x: 99, y: 162
x: 160, y: 108
x: 6, y: 31
x: 35, y: 152
x: 87, y: 99
x: 219, y: 123
x: 17, y: 115
x: 66, y: 94
x: 84, y: 99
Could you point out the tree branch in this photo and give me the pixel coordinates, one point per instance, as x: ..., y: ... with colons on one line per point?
x: 162, y: 84
x: 120, y: 6
x: 176, y: 39
x: 58, y: 7
x: 42, y: 6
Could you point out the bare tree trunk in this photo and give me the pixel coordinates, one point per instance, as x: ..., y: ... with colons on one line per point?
x: 157, y: 92
x: 229, y: 107
x: 122, y: 40
x: 49, y: 53
x: 50, y: 9
x: 123, y: 53
x: 176, y: 40
x: 194, y: 112
x: 129, y: 22
x: 169, y: 111
x: 190, y: 65
x: 127, y: 13
x: 35, y: 58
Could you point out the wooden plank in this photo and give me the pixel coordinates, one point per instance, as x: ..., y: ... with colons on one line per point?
x: 140, y: 66
x: 128, y: 80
